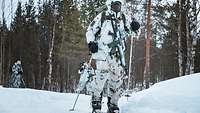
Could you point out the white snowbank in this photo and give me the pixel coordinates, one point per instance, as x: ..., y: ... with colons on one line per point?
x: 37, y: 101
x: 180, y: 95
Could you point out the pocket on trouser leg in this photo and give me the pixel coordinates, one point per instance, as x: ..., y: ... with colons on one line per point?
x: 97, y: 84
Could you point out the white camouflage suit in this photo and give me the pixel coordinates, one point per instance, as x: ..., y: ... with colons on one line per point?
x: 109, y: 72
x: 16, y: 76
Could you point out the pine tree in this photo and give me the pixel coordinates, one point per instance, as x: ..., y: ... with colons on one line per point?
x: 17, y: 28
x: 88, y: 10
x: 17, y: 41
x: 169, y: 40
x: 72, y: 28
x: 5, y: 52
x: 3, y: 35
x: 46, y: 22
x: 71, y: 41
x: 30, y: 56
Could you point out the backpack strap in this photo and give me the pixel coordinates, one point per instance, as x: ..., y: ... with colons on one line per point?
x: 104, y: 17
x: 124, y: 21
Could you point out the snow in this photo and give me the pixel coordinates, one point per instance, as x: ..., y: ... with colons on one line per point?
x: 36, y: 101
x: 179, y: 95
x: 7, y: 10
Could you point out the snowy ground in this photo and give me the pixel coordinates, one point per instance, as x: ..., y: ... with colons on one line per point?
x: 180, y: 95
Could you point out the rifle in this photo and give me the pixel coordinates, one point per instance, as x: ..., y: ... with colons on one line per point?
x: 117, y: 43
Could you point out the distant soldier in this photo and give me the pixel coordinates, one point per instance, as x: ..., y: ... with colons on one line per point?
x: 16, y: 80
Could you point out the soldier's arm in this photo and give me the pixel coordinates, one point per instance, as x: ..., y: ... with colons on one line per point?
x: 93, y: 28
x: 132, y: 24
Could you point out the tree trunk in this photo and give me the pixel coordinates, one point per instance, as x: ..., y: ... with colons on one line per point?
x: 179, y: 39
x: 50, y: 58
x: 39, y: 85
x: 148, y: 46
x: 182, y: 38
x: 2, y: 45
x: 196, y: 41
x: 193, y: 31
x: 189, y: 51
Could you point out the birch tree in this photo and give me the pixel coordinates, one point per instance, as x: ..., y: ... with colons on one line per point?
x: 192, y: 29
x: 197, y: 38
x: 51, y: 48
x: 182, y: 37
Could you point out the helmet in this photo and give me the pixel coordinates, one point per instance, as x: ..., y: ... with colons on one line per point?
x: 18, y: 62
x: 108, y: 3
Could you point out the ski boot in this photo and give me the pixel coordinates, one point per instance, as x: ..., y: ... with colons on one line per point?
x: 96, y: 104
x: 112, y: 108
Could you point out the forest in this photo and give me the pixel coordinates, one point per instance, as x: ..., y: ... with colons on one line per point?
x: 48, y: 37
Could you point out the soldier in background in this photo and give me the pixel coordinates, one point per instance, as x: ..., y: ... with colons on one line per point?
x: 16, y: 80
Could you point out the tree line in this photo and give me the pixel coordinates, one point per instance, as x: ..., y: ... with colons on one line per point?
x: 175, y: 41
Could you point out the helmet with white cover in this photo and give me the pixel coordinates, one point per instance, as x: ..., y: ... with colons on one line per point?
x: 109, y: 3
x: 18, y: 62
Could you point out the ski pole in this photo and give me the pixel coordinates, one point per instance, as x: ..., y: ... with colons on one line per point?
x: 130, y: 62
x: 75, y: 102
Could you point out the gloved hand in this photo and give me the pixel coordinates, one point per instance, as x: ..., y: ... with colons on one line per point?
x: 134, y: 25
x: 93, y: 47
x: 20, y: 72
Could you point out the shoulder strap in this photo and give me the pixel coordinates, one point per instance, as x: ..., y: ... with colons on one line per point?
x: 103, y: 17
x: 123, y: 18
x: 124, y: 21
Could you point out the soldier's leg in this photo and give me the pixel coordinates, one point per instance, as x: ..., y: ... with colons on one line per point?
x: 113, y: 101
x: 97, y: 84
x: 14, y: 81
x: 114, y: 87
x: 18, y: 80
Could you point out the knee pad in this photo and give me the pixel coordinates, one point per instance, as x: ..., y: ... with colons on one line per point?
x: 97, y: 84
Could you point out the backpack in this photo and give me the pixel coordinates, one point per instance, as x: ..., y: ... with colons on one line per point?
x: 104, y: 17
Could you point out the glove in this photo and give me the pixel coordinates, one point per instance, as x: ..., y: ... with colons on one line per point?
x: 20, y: 72
x: 134, y: 25
x: 93, y: 47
